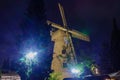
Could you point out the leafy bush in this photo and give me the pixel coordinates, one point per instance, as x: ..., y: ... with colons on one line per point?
x: 54, y: 76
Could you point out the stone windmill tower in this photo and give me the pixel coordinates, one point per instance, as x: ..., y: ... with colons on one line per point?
x: 64, y: 53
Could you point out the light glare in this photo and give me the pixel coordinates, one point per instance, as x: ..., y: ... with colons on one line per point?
x: 31, y: 55
x: 75, y: 71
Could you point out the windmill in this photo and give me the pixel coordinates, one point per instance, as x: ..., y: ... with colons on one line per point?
x: 64, y: 53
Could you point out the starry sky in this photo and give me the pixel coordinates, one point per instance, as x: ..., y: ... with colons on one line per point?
x: 91, y: 16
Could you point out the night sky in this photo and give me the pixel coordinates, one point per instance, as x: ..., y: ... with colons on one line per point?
x: 11, y: 13
x: 93, y: 17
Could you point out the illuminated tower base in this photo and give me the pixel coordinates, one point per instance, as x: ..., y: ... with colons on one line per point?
x: 57, y: 62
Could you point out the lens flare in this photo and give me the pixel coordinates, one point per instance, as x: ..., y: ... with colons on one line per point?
x: 75, y: 71
x: 29, y: 60
x: 31, y: 55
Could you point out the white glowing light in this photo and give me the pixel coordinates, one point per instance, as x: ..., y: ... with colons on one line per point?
x: 75, y: 71
x: 31, y: 55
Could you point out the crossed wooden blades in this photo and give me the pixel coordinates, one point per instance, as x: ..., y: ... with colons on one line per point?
x: 74, y: 33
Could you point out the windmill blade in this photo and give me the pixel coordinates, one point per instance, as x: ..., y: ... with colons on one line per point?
x: 56, y: 25
x: 79, y: 35
x: 62, y: 15
x: 74, y: 59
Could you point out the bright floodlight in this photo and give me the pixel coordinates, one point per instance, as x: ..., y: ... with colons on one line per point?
x: 75, y: 71
x: 31, y: 55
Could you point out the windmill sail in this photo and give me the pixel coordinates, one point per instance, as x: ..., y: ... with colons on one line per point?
x: 79, y: 35
x: 62, y: 15
x: 74, y: 33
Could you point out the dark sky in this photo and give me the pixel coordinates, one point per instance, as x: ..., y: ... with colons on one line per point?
x: 91, y: 16
x: 11, y: 14
x: 14, y: 16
